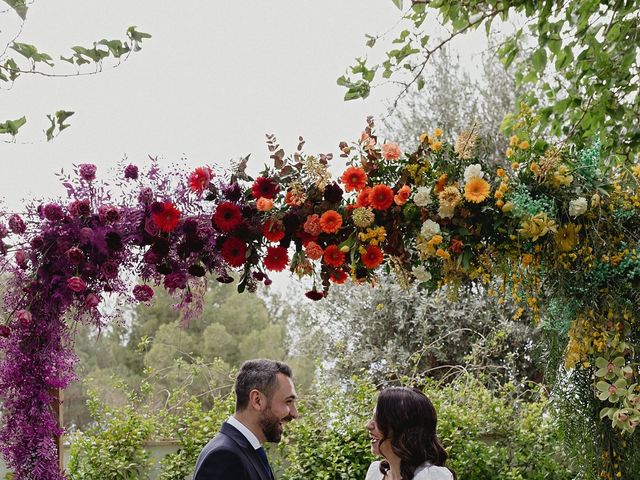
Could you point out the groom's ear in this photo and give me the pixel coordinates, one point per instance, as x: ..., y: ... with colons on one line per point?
x: 257, y: 400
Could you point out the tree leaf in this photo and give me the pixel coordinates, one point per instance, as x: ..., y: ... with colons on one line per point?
x: 19, y: 6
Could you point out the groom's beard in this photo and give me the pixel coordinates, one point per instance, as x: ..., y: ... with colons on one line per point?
x: 271, y: 426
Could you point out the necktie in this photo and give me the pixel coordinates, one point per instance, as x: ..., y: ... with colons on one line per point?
x: 265, y: 462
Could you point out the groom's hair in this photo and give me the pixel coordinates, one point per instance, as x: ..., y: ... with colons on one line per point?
x: 260, y: 374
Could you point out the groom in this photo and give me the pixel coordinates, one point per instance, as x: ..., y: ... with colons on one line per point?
x: 265, y: 401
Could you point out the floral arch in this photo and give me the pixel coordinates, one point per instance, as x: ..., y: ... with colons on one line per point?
x: 557, y: 230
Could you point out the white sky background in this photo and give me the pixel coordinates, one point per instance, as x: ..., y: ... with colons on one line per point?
x: 215, y: 77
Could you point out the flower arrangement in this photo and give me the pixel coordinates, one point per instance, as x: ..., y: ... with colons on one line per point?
x: 550, y: 223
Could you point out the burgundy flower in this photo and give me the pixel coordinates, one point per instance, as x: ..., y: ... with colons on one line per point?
x: 197, y: 270
x: 264, y: 187
x: 151, y: 257
x: 16, y: 224
x: 190, y: 226
x: 333, y: 193
x: 232, y: 192
x: 109, y: 269
x: 75, y: 255
x: 37, y: 242
x: 314, y: 295
x: 21, y: 258
x: 76, y: 284
x: 4, y: 231
x: 24, y: 317
x: 234, y: 251
x: 113, y: 240
x: 87, y: 171
x: 91, y: 300
x: 5, y: 331
x: 143, y: 293
x: 86, y: 235
x: 53, y: 212
x: 108, y: 213
x: 225, y: 279
x: 80, y: 208
x: 227, y: 216
x: 145, y: 195
x: 175, y: 281
x: 131, y: 172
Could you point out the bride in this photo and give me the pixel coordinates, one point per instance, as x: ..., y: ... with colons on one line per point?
x: 403, y: 432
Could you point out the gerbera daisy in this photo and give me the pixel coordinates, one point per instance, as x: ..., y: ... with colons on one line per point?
x: 372, y: 257
x: 476, y: 190
x: 264, y: 187
x: 381, y: 197
x: 276, y: 259
x: 354, y: 179
x: 364, y: 197
x: 200, y: 179
x: 166, y: 217
x: 339, y: 277
x: 333, y: 256
x: 227, y: 216
x: 234, y: 251
x: 330, y: 221
x: 273, y: 230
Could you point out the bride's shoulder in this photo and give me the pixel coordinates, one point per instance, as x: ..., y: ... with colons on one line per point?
x: 374, y: 472
x: 433, y: 472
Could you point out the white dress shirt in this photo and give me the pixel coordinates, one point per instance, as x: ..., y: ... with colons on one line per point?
x: 253, y: 440
x: 425, y: 472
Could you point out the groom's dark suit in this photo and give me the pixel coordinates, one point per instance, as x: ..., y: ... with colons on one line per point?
x: 230, y: 456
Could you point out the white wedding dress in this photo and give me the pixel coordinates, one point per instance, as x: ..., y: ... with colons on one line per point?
x: 425, y: 472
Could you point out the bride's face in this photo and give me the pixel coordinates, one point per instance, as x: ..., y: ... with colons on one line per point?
x: 376, y: 436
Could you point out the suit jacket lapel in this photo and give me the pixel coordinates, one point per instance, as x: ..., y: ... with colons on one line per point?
x: 247, y: 449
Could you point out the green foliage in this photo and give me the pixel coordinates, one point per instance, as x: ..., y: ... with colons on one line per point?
x: 113, y: 447
x: 581, y: 57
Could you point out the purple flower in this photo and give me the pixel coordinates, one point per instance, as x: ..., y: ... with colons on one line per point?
x: 24, y: 317
x: 88, y: 171
x: 80, y: 208
x: 131, y: 172
x: 37, y: 242
x: 4, y: 331
x: 143, y: 293
x: 21, y: 258
x: 109, y: 269
x: 16, y: 224
x: 232, y: 192
x: 76, y: 284
x: 53, y: 212
x: 333, y: 193
x: 145, y: 195
x: 4, y: 231
x: 175, y: 281
x: 86, y: 235
x: 75, y: 255
x: 108, y: 213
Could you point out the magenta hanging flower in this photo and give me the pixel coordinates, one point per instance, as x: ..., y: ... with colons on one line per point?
x: 143, y: 293
x: 76, y: 284
x: 24, y: 317
x: 131, y: 172
x: 75, y: 255
x: 91, y: 300
x: 87, y: 171
x: 5, y: 331
x: 17, y: 225
x: 53, y: 212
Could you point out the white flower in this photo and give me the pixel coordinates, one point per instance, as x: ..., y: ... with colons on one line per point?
x: 429, y: 229
x: 446, y: 211
x: 472, y: 171
x: 578, y: 206
x: 421, y: 274
x: 422, y: 197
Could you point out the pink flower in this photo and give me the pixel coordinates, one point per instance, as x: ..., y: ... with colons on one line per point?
x: 76, y: 284
x: 24, y: 317
x: 108, y: 213
x: 92, y: 300
x: 87, y: 171
x: 391, y: 151
x: 75, y: 255
x: 16, y: 224
x: 4, y: 331
x: 143, y: 293
x: 21, y: 258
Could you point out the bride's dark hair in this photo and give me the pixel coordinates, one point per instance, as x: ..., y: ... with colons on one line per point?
x: 407, y: 419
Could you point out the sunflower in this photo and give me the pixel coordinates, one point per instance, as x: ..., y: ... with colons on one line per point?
x: 476, y: 190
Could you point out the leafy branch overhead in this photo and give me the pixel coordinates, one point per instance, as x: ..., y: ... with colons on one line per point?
x: 577, y: 61
x: 28, y: 59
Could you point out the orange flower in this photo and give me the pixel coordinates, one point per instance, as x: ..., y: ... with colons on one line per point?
x: 441, y: 183
x: 273, y: 230
x: 381, y: 197
x: 312, y: 225
x: 391, y: 151
x: 333, y: 256
x: 476, y: 190
x: 330, y: 221
x: 364, y: 197
x: 372, y: 257
x: 354, y: 179
x: 402, y: 195
x: 456, y: 245
x: 313, y: 251
x: 264, y: 204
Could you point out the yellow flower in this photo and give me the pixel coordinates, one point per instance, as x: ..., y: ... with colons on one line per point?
x: 561, y: 177
x: 567, y: 237
x: 523, y: 145
x: 424, y: 137
x: 363, y: 217
x: 499, y: 203
x: 509, y: 152
x: 438, y: 132
x: 476, y: 190
x: 501, y: 172
x: 449, y: 198
x: 499, y: 194
x: 515, y: 165
x: 527, y: 258
x: 636, y: 170
x: 443, y: 254
x: 436, y: 239
x: 537, y: 226
x: 535, y: 168
x: 436, y: 145
x: 507, y: 207
x: 513, y: 141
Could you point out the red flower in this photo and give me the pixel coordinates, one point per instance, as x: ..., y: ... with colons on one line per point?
x: 354, y: 178
x: 76, y: 284
x: 381, y: 197
x: 314, y: 295
x: 276, y: 259
x: 339, y: 277
x: 264, y: 187
x: 364, y: 197
x: 227, y: 217
x: 143, y: 293
x: 234, y: 251
x: 167, y: 217
x: 330, y: 221
x: 456, y: 245
x: 200, y: 179
x: 333, y: 256
x: 273, y: 230
x: 372, y: 257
